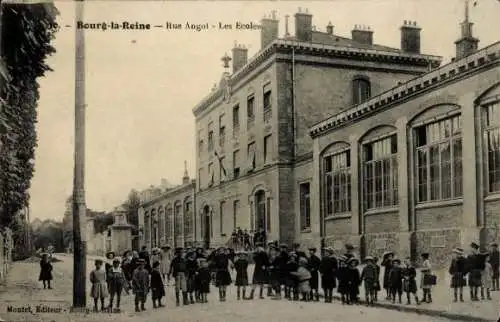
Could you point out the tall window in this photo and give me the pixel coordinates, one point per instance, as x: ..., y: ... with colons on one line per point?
x: 236, y: 207
x: 337, y: 183
x: 236, y: 163
x: 188, y: 219
x: 221, y: 216
x: 200, y: 146
x: 222, y: 131
x: 381, y: 173
x: 236, y: 120
x: 251, y: 156
x: 250, y: 111
x: 268, y: 214
x: 491, y: 123
x: 222, y: 170
x: 210, y: 174
x: 268, y: 148
x: 210, y: 141
x: 267, y: 102
x: 361, y: 90
x: 305, y: 206
x: 439, y: 160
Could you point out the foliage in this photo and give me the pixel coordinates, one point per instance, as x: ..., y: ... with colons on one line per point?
x: 132, y: 206
x: 26, y: 37
x: 101, y: 222
x: 49, y: 233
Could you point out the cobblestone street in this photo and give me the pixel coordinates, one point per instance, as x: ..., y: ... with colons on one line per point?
x: 23, y: 289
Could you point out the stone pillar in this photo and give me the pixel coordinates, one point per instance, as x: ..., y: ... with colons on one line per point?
x: 404, y: 178
x: 315, y: 197
x: 470, y: 230
x: 357, y: 219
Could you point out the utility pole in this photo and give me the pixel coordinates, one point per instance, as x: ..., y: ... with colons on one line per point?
x: 79, y: 207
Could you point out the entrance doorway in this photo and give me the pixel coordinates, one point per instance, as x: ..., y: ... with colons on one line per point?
x: 260, y: 211
x: 207, y: 225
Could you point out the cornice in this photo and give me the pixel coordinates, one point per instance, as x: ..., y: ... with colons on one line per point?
x: 482, y: 59
x: 308, y: 48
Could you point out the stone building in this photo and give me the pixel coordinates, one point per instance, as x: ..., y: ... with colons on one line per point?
x: 416, y: 168
x: 254, y: 154
x: 168, y: 219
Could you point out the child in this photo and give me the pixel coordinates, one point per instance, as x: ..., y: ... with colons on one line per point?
x: 428, y: 280
x: 241, y: 268
x: 387, y: 264
x: 140, y: 284
x: 396, y: 280
x: 354, y: 280
x: 369, y: 277
x: 303, y: 276
x: 157, y: 285
x: 458, y: 270
x: 313, y: 265
x: 495, y: 264
x: 116, y: 283
x: 410, y: 281
x: 178, y: 271
x: 45, y: 271
x: 291, y: 279
x: 343, y: 279
x: 487, y: 278
x: 377, y: 281
x: 99, y: 290
x: 191, y: 269
x: 328, y: 269
x: 204, y: 280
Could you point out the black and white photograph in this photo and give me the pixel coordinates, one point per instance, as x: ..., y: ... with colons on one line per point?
x: 284, y: 161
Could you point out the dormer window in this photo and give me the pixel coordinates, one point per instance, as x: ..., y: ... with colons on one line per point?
x: 361, y: 89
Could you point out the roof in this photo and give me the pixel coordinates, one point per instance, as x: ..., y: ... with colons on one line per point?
x: 335, y: 40
x: 423, y: 83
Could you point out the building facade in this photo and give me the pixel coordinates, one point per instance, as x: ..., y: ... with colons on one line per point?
x: 415, y: 169
x: 254, y: 153
x: 169, y: 218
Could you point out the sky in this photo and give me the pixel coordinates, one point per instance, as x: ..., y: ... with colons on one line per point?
x: 141, y: 86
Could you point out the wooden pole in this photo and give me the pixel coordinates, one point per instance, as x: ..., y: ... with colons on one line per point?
x: 79, y: 207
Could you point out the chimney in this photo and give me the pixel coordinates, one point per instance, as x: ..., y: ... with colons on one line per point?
x: 240, y: 57
x: 362, y: 34
x: 329, y: 28
x: 410, y: 37
x: 303, y: 26
x: 467, y: 44
x: 269, y: 31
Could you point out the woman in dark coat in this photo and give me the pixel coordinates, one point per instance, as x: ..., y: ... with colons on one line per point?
x: 45, y: 271
x: 222, y: 275
x: 387, y: 264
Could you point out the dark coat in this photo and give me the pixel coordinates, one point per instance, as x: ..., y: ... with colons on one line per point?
x: 410, y: 279
x: 328, y: 269
x: 145, y: 255
x: 290, y: 268
x: 178, y: 265
x: 260, y: 274
x: 396, y: 278
x: 344, y: 279
x: 458, y: 270
x: 157, y: 287
x: 369, y: 276
x: 387, y: 264
x: 45, y: 271
x: 354, y: 280
x: 204, y: 279
x: 495, y: 263
x: 222, y: 275
x: 313, y: 265
x: 475, y: 266
x: 241, y: 267
x: 191, y: 269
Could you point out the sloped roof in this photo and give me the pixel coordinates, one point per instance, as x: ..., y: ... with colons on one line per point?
x: 335, y: 40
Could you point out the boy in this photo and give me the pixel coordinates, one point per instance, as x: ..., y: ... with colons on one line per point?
x: 204, y: 280
x: 328, y: 268
x: 157, y: 285
x: 178, y: 272
x: 410, y: 281
x: 140, y: 284
x: 458, y: 270
x: 396, y: 280
x: 191, y: 269
x: 303, y: 276
x: 354, y: 280
x: 313, y: 265
x: 369, y: 277
x: 116, y: 283
x: 343, y: 279
x: 241, y: 268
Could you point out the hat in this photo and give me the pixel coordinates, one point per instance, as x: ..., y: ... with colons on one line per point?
x: 295, y: 245
x: 388, y: 253
x: 178, y: 249
x: 166, y: 247
x: 328, y: 249
x: 353, y: 260
x: 424, y: 255
x: 474, y: 245
x: 293, y: 254
x: 369, y: 258
x: 458, y: 250
x: 116, y: 261
x: 283, y: 245
x: 312, y: 249
x: 342, y: 258
x: 270, y: 242
x: 349, y: 246
x: 98, y: 261
x: 141, y: 261
x: 258, y: 244
x: 494, y: 244
x: 397, y: 260
x: 108, y: 254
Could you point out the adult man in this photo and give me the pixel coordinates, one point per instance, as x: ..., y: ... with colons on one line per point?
x: 313, y: 265
x: 495, y: 264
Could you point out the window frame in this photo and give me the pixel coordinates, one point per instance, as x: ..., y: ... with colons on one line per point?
x: 236, y: 119
x: 236, y: 169
x: 342, y: 172
x: 357, y: 86
x: 305, y: 206
x: 268, y: 157
x: 487, y: 129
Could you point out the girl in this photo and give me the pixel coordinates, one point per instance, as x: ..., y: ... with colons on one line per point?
x: 409, y: 282
x: 427, y: 278
x: 377, y: 281
x: 387, y: 264
x: 290, y: 284
x: 369, y: 277
x: 116, y: 283
x: 303, y: 277
x: 458, y: 270
x: 241, y: 268
x: 396, y: 280
x: 260, y: 273
x: 343, y: 278
x: 99, y: 290
x: 204, y: 280
x: 487, y: 278
x: 157, y: 286
x: 328, y: 269
x: 354, y: 280
x: 222, y: 275
x: 45, y: 271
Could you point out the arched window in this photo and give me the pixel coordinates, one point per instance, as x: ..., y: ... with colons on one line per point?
x: 169, y: 220
x: 438, y: 159
x: 260, y: 210
x: 337, y: 182
x: 491, y: 128
x: 178, y: 219
x: 188, y: 217
x: 380, y: 173
x: 361, y: 89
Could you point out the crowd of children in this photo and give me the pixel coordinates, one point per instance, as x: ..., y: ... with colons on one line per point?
x: 279, y: 269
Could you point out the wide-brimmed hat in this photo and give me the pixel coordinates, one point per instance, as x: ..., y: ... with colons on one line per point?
x: 328, y: 249
x: 368, y: 258
x: 141, y: 261
x: 342, y: 258
x: 458, y: 251
x: 109, y: 254
x: 396, y: 260
x: 283, y: 245
x: 353, y: 260
x: 388, y: 253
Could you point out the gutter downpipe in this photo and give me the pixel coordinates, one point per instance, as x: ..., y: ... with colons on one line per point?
x: 294, y: 113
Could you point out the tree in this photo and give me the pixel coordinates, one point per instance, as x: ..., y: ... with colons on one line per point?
x: 26, y: 36
x: 132, y: 206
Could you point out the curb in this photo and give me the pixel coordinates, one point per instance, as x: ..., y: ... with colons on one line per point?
x: 425, y: 311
